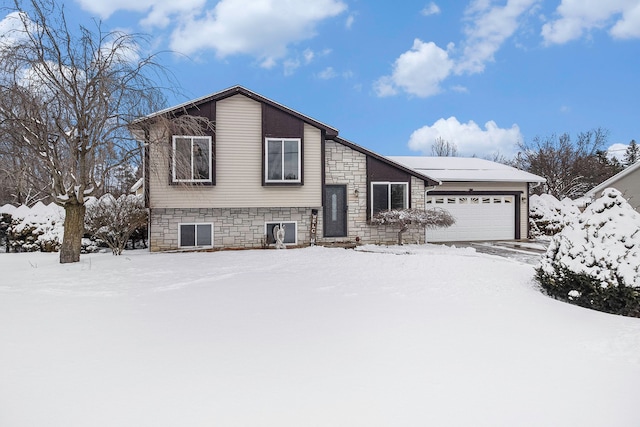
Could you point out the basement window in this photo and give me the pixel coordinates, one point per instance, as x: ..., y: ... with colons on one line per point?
x: 198, y: 235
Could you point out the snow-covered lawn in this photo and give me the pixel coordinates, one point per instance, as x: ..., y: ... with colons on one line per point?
x: 410, y: 336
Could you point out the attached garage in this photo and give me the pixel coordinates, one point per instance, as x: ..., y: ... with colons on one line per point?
x: 478, y: 217
x: 489, y: 200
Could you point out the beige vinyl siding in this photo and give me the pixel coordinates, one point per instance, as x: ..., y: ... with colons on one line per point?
x: 629, y: 186
x: 239, y: 166
x: 312, y: 190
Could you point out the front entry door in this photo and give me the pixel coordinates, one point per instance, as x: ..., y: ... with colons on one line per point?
x: 335, y: 211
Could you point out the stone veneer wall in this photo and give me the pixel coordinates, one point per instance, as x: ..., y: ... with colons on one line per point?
x: 345, y: 166
x: 232, y: 228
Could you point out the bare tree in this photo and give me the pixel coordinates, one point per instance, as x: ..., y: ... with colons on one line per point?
x: 23, y: 180
x: 444, y: 148
x: 497, y: 157
x: 570, y: 168
x: 68, y: 98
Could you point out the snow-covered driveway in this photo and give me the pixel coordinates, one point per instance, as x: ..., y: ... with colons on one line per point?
x: 528, y: 253
x: 410, y: 336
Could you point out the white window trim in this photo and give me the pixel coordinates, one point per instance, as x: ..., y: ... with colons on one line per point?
x: 275, y: 221
x: 173, y: 158
x: 389, y: 183
x: 196, y: 237
x: 266, y: 161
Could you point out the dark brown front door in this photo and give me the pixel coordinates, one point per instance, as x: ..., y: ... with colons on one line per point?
x: 335, y: 211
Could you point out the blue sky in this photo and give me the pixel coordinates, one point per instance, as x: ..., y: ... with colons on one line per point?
x: 394, y: 76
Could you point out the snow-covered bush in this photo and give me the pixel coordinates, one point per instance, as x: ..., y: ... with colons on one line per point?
x: 91, y: 245
x: 595, y: 260
x: 405, y: 218
x: 548, y: 215
x: 5, y: 222
x: 115, y: 220
x: 39, y: 228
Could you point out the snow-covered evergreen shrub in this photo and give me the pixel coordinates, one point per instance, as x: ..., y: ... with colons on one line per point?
x: 548, y: 215
x: 5, y: 222
x: 114, y: 220
x: 405, y: 218
x: 595, y: 260
x: 39, y: 228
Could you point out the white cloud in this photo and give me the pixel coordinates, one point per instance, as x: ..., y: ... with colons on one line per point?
x: 629, y: 25
x: 419, y: 71
x: 469, y: 138
x: 349, y: 22
x: 290, y: 66
x: 159, y: 12
x: 163, y: 12
x: 297, y: 60
x: 264, y: 29
x: 308, y: 55
x: 430, y: 9
x: 490, y: 25
x: 620, y: 17
x: 327, y: 73
x: 12, y: 29
x: 330, y: 73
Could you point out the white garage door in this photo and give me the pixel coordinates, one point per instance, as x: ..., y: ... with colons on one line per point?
x: 477, y: 218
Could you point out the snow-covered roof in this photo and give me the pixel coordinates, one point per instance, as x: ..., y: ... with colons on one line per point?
x: 137, y: 185
x: 595, y: 191
x: 465, y: 169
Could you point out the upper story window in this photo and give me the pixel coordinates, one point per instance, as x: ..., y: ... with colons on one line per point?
x: 192, y: 159
x: 282, y: 160
x: 389, y: 195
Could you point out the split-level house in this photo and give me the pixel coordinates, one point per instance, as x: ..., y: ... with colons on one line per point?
x: 266, y: 165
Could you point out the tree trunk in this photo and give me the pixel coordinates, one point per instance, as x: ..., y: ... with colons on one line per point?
x: 402, y: 230
x: 73, y: 232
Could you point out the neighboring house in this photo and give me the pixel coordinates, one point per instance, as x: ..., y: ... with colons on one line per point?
x: 489, y: 200
x: 266, y: 165
x: 137, y: 188
x: 627, y: 182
